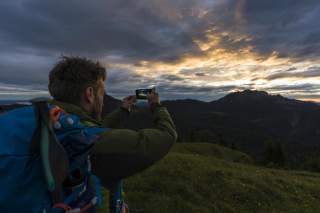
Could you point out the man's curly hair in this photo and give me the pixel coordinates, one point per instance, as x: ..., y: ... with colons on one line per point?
x: 71, y: 76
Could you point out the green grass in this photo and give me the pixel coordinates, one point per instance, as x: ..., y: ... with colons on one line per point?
x: 208, y: 178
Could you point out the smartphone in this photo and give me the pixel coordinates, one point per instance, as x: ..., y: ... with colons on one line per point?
x: 141, y: 94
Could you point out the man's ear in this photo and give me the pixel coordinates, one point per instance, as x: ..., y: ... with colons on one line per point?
x: 89, y: 95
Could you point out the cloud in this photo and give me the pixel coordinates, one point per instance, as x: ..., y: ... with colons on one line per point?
x: 18, y: 92
x: 297, y: 87
x: 171, y: 78
x: 304, y: 75
x: 191, y: 48
x: 174, y: 91
x: 200, y: 74
x: 159, y: 30
x: 285, y: 26
x: 95, y: 28
x: 121, y: 82
x: 23, y: 69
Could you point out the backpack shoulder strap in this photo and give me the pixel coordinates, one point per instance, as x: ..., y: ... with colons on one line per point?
x: 53, y: 156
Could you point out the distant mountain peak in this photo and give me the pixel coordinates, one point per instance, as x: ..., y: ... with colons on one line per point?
x: 251, y: 95
x: 248, y: 92
x: 254, y: 92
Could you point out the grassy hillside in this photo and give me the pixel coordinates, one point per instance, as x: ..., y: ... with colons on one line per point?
x: 209, y: 178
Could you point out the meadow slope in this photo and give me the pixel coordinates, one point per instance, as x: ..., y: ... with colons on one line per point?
x: 205, y: 178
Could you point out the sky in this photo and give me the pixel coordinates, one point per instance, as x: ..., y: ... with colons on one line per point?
x: 199, y: 49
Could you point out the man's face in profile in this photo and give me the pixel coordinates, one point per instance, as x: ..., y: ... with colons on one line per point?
x: 98, y: 102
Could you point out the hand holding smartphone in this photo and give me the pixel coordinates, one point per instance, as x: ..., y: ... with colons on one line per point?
x: 146, y: 97
x: 142, y: 94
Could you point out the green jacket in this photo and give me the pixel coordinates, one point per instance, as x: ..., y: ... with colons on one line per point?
x: 120, y: 153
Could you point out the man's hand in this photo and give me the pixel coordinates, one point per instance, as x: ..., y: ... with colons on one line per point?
x: 128, y: 102
x: 153, y: 99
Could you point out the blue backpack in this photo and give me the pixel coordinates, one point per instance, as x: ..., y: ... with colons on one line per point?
x: 45, y: 163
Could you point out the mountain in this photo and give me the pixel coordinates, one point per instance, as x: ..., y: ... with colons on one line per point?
x: 209, y: 178
x: 289, y: 120
x: 252, y: 111
x: 248, y: 119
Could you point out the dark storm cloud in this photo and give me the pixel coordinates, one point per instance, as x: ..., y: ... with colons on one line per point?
x: 123, y: 82
x: 307, y: 74
x: 154, y: 29
x: 297, y: 88
x: 311, y: 73
x: 131, y: 30
x: 96, y: 28
x: 20, y: 69
x: 289, y: 27
x: 119, y: 76
x: 187, y: 72
x: 200, y: 74
x: 186, y: 89
x: 204, y: 93
x: 171, y: 78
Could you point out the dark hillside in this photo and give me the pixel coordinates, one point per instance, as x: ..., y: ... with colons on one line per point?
x: 250, y: 118
x: 208, y: 178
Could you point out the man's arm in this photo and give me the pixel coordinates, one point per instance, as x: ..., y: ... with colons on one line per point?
x: 122, y: 152
x: 117, y: 118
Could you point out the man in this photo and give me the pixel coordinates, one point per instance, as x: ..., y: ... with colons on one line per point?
x: 77, y: 86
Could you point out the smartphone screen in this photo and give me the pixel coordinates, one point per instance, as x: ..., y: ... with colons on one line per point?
x: 142, y: 93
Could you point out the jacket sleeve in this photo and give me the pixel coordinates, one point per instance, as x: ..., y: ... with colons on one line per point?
x: 116, y: 118
x: 120, y: 153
